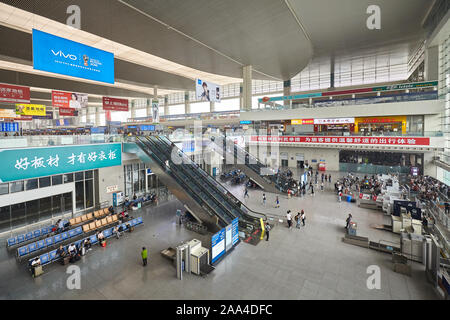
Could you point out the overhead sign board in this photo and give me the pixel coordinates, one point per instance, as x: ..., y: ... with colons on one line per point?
x: 72, y: 100
x: 14, y: 94
x: 58, y: 55
x: 21, y: 164
x: 334, y: 121
x: 207, y: 91
x: 9, y: 127
x: 302, y: 121
x: 115, y: 104
x: 30, y: 109
x: 398, y: 141
x: 8, y: 113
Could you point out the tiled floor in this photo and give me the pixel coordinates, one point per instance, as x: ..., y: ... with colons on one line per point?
x: 310, y: 263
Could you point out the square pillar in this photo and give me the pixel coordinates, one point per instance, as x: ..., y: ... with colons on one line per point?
x: 247, y: 88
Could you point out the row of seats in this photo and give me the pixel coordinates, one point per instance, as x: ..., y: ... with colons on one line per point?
x: 51, y: 256
x: 47, y: 242
x: 29, y: 236
x: 100, y: 223
x: 89, y: 216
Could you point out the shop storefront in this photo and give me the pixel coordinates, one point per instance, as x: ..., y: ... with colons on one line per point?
x: 381, y: 125
x: 335, y: 126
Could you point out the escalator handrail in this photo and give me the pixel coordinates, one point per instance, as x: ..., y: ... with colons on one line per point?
x: 230, y: 215
x: 183, y: 184
x: 216, y: 184
x: 201, y: 187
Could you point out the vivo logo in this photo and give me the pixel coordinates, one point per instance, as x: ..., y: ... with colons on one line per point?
x: 67, y: 56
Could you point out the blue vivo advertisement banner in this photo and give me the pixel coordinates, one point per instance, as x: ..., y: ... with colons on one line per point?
x: 217, y: 245
x: 9, y: 127
x: 58, y: 55
x: 235, y: 231
x: 20, y: 164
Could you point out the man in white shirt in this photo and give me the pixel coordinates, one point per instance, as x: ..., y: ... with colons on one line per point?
x: 72, y: 249
x: 289, y: 219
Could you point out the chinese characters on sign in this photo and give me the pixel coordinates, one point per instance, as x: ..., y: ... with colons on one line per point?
x: 30, y: 109
x: 115, y: 104
x: 14, y: 94
x: 406, y: 141
x: 29, y: 163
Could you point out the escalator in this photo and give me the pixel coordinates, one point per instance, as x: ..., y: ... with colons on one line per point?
x: 259, y: 173
x: 205, y: 198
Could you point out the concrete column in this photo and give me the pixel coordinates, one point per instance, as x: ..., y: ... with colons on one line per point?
x: 212, y: 106
x: 149, y: 102
x: 97, y: 116
x: 166, y: 105
x: 332, y: 71
x: 187, y: 103
x: 431, y: 63
x: 247, y: 88
x: 241, y: 100
x: 148, y: 105
x: 133, y: 108
x: 287, y: 92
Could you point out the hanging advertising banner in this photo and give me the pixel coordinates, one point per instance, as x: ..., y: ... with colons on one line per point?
x: 68, y: 112
x: 334, y: 121
x: 48, y: 116
x: 115, y: 104
x: 399, y: 141
x: 155, y: 110
x: 20, y: 164
x: 62, y: 56
x: 207, y: 91
x: 235, y: 231
x: 73, y: 100
x: 14, y: 94
x: 8, y: 113
x: 30, y: 109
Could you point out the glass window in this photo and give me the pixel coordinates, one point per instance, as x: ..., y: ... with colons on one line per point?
x: 79, y: 195
x: 68, y: 177
x: 31, y: 184
x: 89, y: 187
x: 67, y: 197
x: 5, y: 219
x: 56, y: 180
x: 57, y: 205
x: 45, y: 208
x: 44, y: 182
x: 18, y: 217
x: 79, y: 176
x: 88, y: 174
x: 16, y: 186
x: 4, y: 188
x: 32, y: 211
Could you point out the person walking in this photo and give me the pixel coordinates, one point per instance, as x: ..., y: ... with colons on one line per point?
x: 297, y: 219
x: 277, y: 203
x: 246, y: 193
x: 144, y: 255
x: 267, y: 227
x: 289, y: 218
x: 321, y: 186
x: 329, y: 178
x: 303, y: 217
x: 264, y: 199
x: 312, y: 190
x: 340, y: 196
x: 348, y: 221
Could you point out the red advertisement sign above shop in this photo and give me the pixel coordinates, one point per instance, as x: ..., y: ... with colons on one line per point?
x: 14, y: 94
x: 115, y: 104
x: 398, y: 141
x: 24, y: 118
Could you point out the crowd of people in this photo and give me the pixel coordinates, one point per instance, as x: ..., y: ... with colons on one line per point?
x: 428, y: 188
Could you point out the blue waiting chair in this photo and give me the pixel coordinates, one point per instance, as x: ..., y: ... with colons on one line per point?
x: 32, y: 247
x: 40, y: 244
x: 44, y: 259
x: 11, y: 242
x: 20, y: 238
x: 36, y: 233
x: 57, y: 239
x: 94, y: 239
x: 72, y: 233
x: 29, y: 236
x: 44, y: 231
x: 22, y: 251
x: 49, y: 241
x: 64, y: 236
x: 52, y: 255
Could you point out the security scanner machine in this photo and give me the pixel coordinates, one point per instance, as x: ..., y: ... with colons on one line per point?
x: 189, y: 257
